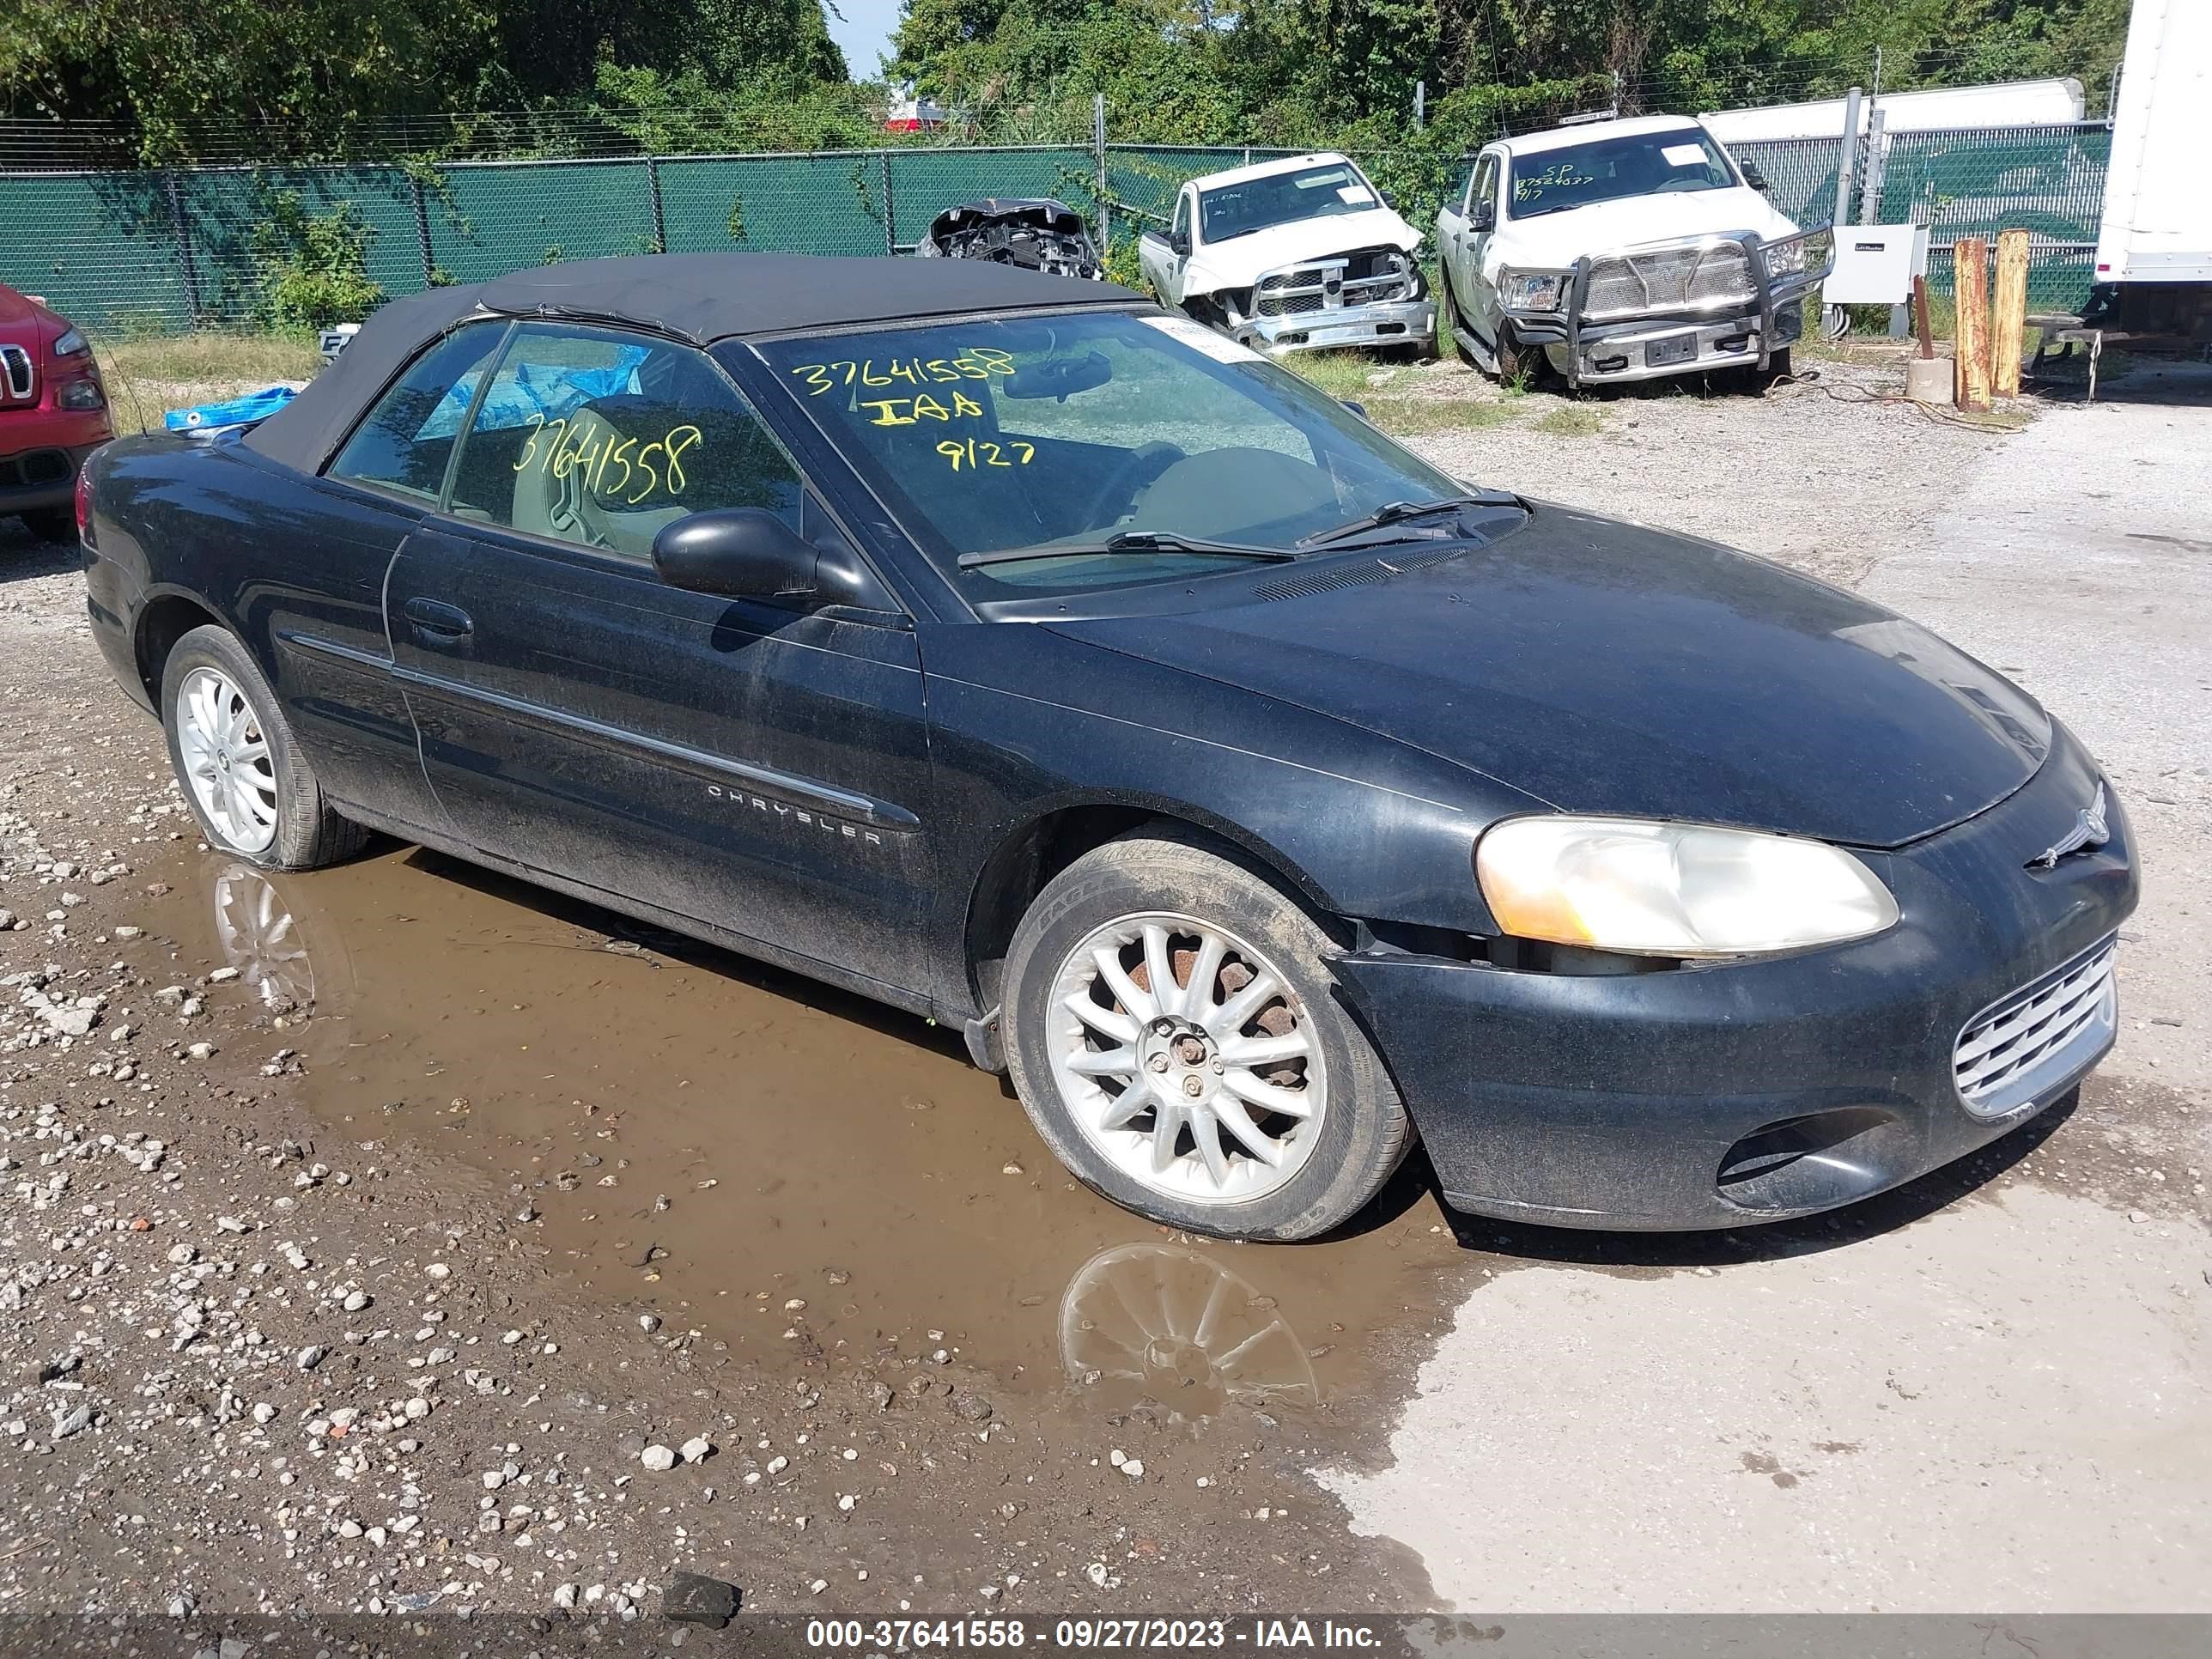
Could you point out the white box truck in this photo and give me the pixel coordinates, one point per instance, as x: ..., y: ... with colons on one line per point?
x: 2154, y: 244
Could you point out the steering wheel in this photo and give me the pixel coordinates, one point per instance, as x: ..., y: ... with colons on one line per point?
x: 1144, y: 463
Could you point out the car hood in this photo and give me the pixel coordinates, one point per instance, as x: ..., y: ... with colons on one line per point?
x: 1238, y: 262
x: 19, y: 319
x: 1604, y: 667
x: 1560, y: 239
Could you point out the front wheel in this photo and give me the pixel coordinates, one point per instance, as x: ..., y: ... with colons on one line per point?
x: 1173, y: 1034
x: 254, y: 793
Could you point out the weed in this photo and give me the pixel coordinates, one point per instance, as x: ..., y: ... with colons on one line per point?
x: 1570, y: 421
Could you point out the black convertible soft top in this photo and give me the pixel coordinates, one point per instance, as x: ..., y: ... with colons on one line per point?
x: 699, y: 297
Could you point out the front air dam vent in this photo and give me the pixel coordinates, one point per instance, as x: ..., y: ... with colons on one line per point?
x: 1816, y: 1161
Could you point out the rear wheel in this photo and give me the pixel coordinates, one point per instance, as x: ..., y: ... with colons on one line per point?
x: 1173, y: 1035
x: 253, y: 793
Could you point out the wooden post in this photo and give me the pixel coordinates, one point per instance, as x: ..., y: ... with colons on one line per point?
x: 1970, y: 273
x: 2008, y: 315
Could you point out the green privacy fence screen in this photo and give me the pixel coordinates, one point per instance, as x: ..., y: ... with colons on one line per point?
x: 159, y: 250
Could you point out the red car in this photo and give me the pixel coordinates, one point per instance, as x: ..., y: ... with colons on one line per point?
x: 53, y: 413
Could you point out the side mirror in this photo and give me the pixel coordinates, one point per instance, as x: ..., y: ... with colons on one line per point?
x: 1356, y: 407
x: 1485, y: 216
x: 1179, y: 240
x: 737, y: 550
x: 1751, y: 175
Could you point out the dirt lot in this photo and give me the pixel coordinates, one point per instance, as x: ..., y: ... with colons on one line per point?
x: 371, y: 1237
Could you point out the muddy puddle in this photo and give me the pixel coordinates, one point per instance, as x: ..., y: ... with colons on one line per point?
x: 791, y: 1171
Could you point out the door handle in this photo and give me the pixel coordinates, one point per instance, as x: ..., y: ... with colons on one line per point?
x: 440, y: 621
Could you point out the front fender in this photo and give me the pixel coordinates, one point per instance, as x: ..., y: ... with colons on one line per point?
x: 1025, y: 723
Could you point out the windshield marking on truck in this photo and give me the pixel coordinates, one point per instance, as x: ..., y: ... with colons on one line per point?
x: 1560, y: 175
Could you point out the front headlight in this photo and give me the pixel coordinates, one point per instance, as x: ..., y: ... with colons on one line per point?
x: 1532, y: 290
x: 1793, y: 255
x: 1644, y: 887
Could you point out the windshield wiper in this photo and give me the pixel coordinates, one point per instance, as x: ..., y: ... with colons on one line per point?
x: 1399, y: 512
x: 1129, y: 541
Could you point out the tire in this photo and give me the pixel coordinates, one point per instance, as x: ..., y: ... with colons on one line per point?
x: 51, y: 523
x: 255, y: 794
x: 1462, y: 342
x: 1346, y: 1130
x: 1780, y: 366
x: 1527, y: 364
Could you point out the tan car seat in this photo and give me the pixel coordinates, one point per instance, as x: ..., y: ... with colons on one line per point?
x: 567, y: 508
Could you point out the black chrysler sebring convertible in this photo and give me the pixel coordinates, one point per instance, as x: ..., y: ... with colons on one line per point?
x: 1260, y: 797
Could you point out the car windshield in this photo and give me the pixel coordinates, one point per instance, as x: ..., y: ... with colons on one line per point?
x: 1279, y: 199
x: 1060, y: 433
x: 1607, y: 169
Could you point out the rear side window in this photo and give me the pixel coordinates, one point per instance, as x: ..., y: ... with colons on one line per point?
x: 408, y: 438
x: 601, y: 439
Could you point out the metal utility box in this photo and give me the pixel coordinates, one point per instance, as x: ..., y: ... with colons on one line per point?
x: 1875, y: 265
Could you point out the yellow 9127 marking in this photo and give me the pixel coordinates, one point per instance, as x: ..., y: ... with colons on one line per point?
x: 973, y: 452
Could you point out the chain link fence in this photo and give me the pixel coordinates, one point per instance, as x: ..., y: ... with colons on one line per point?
x: 138, y: 251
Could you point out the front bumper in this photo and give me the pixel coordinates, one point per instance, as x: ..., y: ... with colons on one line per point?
x: 1685, y: 339
x: 1645, y: 348
x: 1397, y: 322
x: 1756, y: 1091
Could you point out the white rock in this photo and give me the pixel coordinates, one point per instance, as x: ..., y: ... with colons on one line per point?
x: 696, y: 1448
x: 657, y: 1458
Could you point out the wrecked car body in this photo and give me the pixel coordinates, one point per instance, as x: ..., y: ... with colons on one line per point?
x: 1297, y: 254
x: 1036, y: 234
x: 1623, y: 251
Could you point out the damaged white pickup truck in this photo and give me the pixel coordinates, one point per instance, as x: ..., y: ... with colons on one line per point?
x: 1622, y: 251
x: 1295, y: 254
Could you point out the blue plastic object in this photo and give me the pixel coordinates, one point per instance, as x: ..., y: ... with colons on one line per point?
x: 238, y: 412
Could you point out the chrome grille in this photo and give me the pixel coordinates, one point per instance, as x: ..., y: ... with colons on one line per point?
x: 1377, y: 276
x: 15, y: 371
x: 2019, y: 1050
x: 1669, y: 278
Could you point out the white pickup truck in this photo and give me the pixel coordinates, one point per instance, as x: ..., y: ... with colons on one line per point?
x: 1622, y: 251
x: 1297, y: 254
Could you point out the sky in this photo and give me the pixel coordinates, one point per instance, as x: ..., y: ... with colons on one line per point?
x: 865, y: 33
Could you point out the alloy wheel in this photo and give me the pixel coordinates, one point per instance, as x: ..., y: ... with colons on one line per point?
x: 228, y: 765
x: 1186, y: 1059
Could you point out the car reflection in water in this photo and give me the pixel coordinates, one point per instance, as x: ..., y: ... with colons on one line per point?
x: 1168, y: 1323
x: 255, y: 931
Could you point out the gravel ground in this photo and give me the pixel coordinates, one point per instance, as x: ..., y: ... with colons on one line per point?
x: 1819, y: 474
